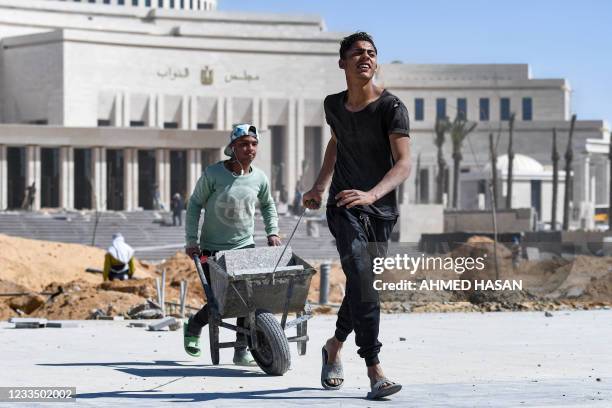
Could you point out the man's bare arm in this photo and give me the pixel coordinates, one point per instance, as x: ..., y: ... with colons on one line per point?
x: 400, y: 148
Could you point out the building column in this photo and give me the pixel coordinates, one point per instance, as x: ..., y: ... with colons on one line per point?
x: 299, y: 148
x: 291, y: 152
x: 126, y: 109
x: 33, y: 172
x: 3, y: 178
x: 193, y: 112
x: 159, y: 112
x: 185, y: 110
x: 263, y: 114
x: 66, y: 176
x: 162, y: 175
x: 255, y: 112
x: 194, y: 168
x: 229, y: 113
x: 151, y: 104
x: 118, y: 110
x: 220, y: 121
x: 585, y: 180
x: 130, y: 179
x: 99, y: 178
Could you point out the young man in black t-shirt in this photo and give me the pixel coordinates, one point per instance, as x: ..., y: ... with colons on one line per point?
x: 368, y: 156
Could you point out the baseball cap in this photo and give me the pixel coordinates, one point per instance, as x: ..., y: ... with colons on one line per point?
x: 238, y: 132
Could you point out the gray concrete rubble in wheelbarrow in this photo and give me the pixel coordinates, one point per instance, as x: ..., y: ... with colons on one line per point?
x: 262, y: 259
x: 232, y: 271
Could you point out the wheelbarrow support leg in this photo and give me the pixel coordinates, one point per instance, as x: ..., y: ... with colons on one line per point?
x: 302, y: 329
x: 252, y: 321
x: 287, y: 300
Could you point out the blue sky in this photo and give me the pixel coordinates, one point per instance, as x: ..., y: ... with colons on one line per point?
x: 558, y: 39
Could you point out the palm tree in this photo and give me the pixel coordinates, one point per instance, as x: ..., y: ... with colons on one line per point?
x: 417, y: 181
x: 459, y: 130
x: 442, y: 126
x: 610, y: 187
x: 568, y: 171
x: 493, y: 154
x: 510, y: 162
x: 555, y: 186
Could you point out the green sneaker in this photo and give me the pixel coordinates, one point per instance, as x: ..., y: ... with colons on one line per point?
x: 191, y: 343
x: 244, y: 359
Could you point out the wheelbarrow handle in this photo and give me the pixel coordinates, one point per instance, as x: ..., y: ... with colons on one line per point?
x: 210, y: 297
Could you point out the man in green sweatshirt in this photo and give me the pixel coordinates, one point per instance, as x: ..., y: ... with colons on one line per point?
x: 228, y: 192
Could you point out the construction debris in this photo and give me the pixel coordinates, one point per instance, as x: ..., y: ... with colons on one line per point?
x: 164, y: 323
x: 62, y: 324
x: 59, y: 288
x: 28, y: 323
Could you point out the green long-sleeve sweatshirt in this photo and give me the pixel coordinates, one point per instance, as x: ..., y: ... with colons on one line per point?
x: 229, y: 208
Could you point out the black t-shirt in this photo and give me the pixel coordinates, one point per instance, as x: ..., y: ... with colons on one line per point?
x: 363, y: 149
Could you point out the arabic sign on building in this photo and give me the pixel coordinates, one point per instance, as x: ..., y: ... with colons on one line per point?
x: 173, y: 73
x: 245, y: 76
x: 206, y: 75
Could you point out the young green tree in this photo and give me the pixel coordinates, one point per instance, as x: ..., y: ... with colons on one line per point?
x: 510, y: 162
x: 568, y: 175
x: 442, y: 126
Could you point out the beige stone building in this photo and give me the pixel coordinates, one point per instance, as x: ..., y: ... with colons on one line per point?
x: 106, y: 103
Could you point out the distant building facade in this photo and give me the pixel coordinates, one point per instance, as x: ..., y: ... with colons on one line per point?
x: 105, y: 104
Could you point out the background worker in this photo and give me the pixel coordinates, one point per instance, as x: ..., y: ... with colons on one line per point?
x: 177, y: 206
x: 119, y: 260
x: 228, y: 191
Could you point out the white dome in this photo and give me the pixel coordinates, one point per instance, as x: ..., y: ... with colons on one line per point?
x: 520, y: 165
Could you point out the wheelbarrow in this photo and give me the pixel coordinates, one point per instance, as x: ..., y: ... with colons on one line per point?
x: 255, y: 284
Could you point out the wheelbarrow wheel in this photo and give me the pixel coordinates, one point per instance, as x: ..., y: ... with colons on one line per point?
x: 272, y: 354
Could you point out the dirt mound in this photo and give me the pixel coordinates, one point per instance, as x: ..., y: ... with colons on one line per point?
x: 27, y: 303
x: 11, y: 287
x: 337, y: 284
x: 485, y: 248
x: 584, y: 272
x: 599, y: 289
x: 180, y: 267
x: 35, y: 264
x: 5, y: 311
x: 80, y: 304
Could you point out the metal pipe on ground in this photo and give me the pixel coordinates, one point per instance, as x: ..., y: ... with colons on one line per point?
x: 324, y: 283
x: 163, y: 292
x: 158, y: 289
x: 183, y: 296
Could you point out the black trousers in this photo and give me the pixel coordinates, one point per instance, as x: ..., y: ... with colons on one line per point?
x: 359, y: 238
x: 200, y: 319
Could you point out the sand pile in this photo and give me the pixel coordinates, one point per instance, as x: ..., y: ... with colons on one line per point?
x: 35, y: 264
x: 584, y: 282
x: 55, y: 285
x: 337, y: 284
x: 483, y: 247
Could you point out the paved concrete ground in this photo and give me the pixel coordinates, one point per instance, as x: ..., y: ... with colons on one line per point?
x: 447, y: 360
